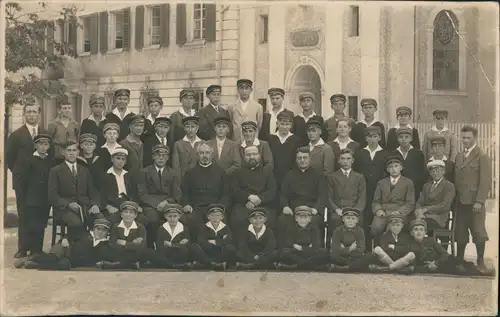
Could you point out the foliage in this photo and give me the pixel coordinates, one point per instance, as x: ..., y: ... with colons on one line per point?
x: 147, y: 90
x: 31, y: 48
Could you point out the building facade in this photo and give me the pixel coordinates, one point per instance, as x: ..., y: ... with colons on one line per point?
x: 424, y: 57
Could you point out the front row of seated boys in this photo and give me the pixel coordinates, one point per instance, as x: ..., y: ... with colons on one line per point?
x: 123, y: 246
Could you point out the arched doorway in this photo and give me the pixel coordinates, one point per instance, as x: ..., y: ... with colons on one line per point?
x: 305, y: 79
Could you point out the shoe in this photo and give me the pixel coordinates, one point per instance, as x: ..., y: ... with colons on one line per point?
x: 31, y: 265
x: 106, y: 265
x: 377, y: 268
x: 20, y: 254
x: 239, y: 265
x: 19, y: 263
x: 287, y: 267
x: 189, y: 266
x: 330, y: 267
x: 180, y: 266
x: 485, y: 271
x: 406, y: 270
x: 342, y: 268
x: 197, y: 265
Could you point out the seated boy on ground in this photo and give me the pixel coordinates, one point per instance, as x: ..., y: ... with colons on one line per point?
x: 394, y: 250
x: 302, y: 243
x: 257, y: 248
x: 214, y: 248
x: 88, y: 250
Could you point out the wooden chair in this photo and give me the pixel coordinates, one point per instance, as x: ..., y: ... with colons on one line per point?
x: 447, y: 232
x: 55, y: 232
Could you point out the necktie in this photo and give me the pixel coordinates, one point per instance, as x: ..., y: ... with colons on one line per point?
x: 466, y: 153
x: 33, y: 133
x: 217, y: 108
x: 434, y: 185
x: 163, y: 141
x: 393, y: 184
x: 159, y: 175
x: 346, y: 174
x: 73, y: 171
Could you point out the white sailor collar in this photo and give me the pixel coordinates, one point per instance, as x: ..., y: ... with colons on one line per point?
x: 112, y: 171
x: 349, y: 140
x: 398, y: 126
x: 379, y: 148
x: 369, y: 125
x: 179, y: 227
x: 38, y: 154
x: 255, y: 142
x: 221, y: 226
x: 283, y: 139
x: 436, y: 129
x: 400, y: 151
x: 91, y: 117
x: 320, y: 143
x: 181, y: 111
x: 257, y: 235
x: 95, y: 241
x: 197, y: 139
x: 117, y: 112
x: 445, y: 158
x: 309, y: 117
x: 150, y: 118
x: 126, y: 231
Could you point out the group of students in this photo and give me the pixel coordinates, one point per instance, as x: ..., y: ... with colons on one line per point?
x: 243, y: 188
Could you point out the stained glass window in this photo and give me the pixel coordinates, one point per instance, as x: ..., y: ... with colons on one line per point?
x: 445, y: 52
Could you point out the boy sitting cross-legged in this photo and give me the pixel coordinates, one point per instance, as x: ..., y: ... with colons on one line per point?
x: 257, y: 249
x: 431, y: 257
x: 394, y: 250
x: 214, y: 248
x: 89, y: 249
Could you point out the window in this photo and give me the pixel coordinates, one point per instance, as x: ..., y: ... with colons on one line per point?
x: 154, y: 25
x: 263, y: 28
x: 86, y: 34
x: 263, y: 103
x: 354, y: 21
x: 445, y: 53
x: 199, y: 21
x: 116, y: 30
x: 352, y: 102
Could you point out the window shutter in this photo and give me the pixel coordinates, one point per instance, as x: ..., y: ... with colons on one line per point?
x: 139, y: 27
x: 103, y: 26
x: 72, y: 35
x: 165, y: 25
x: 50, y: 39
x: 126, y: 29
x: 211, y: 22
x: 181, y: 24
x: 94, y: 33
x: 62, y: 34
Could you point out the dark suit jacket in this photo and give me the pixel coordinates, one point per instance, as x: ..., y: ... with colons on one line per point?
x: 109, y: 191
x: 373, y: 170
x: 401, y: 198
x: 64, y: 190
x: 230, y: 159
x: 323, y: 159
x: 353, y: 146
x: 184, y: 157
x: 20, y: 148
x: 473, y: 177
x: 346, y: 191
x: 265, y: 132
x: 207, y: 115
x: 438, y: 201
x: 152, y: 191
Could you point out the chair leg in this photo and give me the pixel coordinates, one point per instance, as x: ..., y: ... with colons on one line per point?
x: 54, y: 233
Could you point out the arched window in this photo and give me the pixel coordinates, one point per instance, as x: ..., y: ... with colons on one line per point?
x: 445, y: 62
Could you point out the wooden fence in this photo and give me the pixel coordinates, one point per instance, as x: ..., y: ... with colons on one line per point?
x: 486, y: 141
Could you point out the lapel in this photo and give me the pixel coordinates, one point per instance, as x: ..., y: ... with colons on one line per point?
x: 472, y: 156
x: 212, y: 113
x: 239, y: 108
x: 186, y: 146
x: 225, y: 148
x: 435, y: 193
x: 387, y: 183
x: 154, y: 175
x: 127, y: 182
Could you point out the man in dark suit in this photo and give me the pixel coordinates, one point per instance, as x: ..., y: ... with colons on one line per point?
x: 226, y: 152
x: 210, y: 112
x: 434, y: 203
x: 20, y: 148
x: 75, y: 200
x: 158, y: 186
x: 394, y: 195
x: 161, y: 126
x: 121, y: 113
x: 472, y: 181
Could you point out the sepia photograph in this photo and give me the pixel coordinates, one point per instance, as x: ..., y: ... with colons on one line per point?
x: 288, y: 158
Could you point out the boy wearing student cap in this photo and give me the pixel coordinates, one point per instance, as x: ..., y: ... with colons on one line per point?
x: 440, y: 128
x: 302, y: 248
x: 337, y: 102
x: 185, y: 156
x: 322, y: 156
x: 371, y: 163
x: 95, y: 122
x: 369, y: 108
x: 431, y: 257
x: 211, y: 111
x: 187, y: 98
x: 214, y: 248
x: 412, y: 158
x: 249, y: 133
x: 257, y: 247
x: 173, y: 238
x: 134, y: 145
x: 111, y: 133
x: 160, y: 135
x: 283, y: 145
x: 403, y: 115
x: 155, y: 105
x: 343, y: 140
x: 438, y: 146
x: 90, y: 249
x: 34, y: 184
x: 299, y: 126
x: 63, y: 127
x: 270, y: 117
x: 89, y: 158
x: 121, y: 113
x: 245, y: 109
x: 393, y: 195
x: 226, y: 151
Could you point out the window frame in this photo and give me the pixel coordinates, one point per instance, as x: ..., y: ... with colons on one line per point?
x: 354, y: 21
x: 81, y: 42
x: 112, y: 31
x: 148, y: 26
x: 190, y: 26
x: 264, y: 29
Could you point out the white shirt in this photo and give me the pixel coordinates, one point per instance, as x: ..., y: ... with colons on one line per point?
x: 120, y: 180
x: 469, y: 150
x: 283, y: 139
x: 159, y: 169
x: 260, y: 233
x: 255, y: 142
x: 309, y: 117
x: 445, y: 158
x: 30, y: 129
x: 435, y: 183
x: 220, y: 144
x: 394, y: 180
x: 273, y: 122
x: 118, y: 114
x: 320, y: 143
x: 179, y: 227
x: 219, y: 228
x: 97, y: 241
x: 197, y: 139
x: 71, y: 165
x: 439, y: 131
x: 126, y: 231
x: 348, y: 172
x: 342, y: 145
x: 160, y: 139
x: 111, y: 148
x: 372, y: 154
x: 150, y: 118
x: 91, y: 117
x: 404, y: 154
x: 244, y: 105
x: 190, y: 114
x: 38, y: 154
